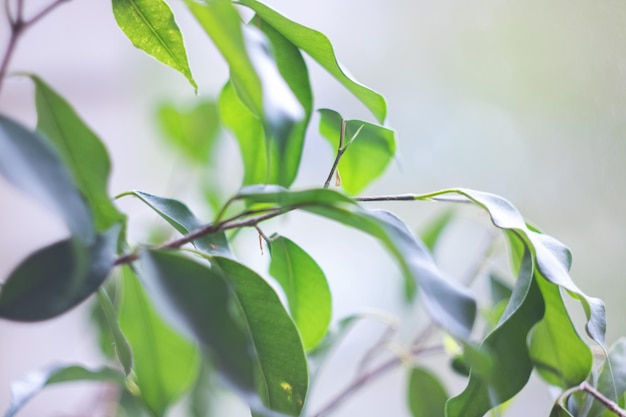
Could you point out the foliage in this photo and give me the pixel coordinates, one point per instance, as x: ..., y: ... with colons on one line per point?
x: 187, y: 311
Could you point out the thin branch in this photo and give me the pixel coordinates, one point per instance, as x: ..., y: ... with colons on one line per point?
x: 436, y: 196
x: 340, y: 150
x: 609, y: 404
x: 43, y: 13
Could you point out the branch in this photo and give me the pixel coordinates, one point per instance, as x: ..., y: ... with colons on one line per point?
x: 436, y: 196
x: 340, y: 150
x: 609, y: 404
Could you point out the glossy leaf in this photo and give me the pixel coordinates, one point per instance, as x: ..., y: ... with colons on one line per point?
x: 305, y: 287
x: 426, y: 394
x: 559, y: 354
x: 25, y: 389
x: 81, y: 150
x: 507, y: 347
x: 237, y: 317
x: 151, y: 27
x: 56, y: 278
x: 194, y: 131
x: 433, y: 230
x: 165, y: 363
x: 182, y: 219
x: 121, y: 345
x: 318, y: 47
x: 367, y: 155
x: 30, y: 163
x: 611, y: 378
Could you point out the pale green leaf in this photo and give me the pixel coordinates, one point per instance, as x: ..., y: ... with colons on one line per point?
x: 426, y: 394
x: 121, y: 345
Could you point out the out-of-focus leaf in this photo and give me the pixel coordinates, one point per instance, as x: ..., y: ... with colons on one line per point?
x: 367, y: 156
x: 506, y: 344
x: 499, y: 290
x: 426, y: 394
x: 30, y: 163
x: 559, y: 354
x: 281, y: 197
x: 122, y: 348
x: 182, y: 219
x: 192, y: 132
x: 58, y: 277
x: 25, y: 389
x: 306, y: 289
x: 612, y: 378
x: 237, y: 317
x: 151, y: 27
x: 559, y: 410
x: 318, y: 47
x: 432, y: 231
x: 165, y: 363
x: 81, y: 150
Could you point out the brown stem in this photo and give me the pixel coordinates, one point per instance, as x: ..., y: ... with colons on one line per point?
x: 609, y: 404
x: 340, y: 150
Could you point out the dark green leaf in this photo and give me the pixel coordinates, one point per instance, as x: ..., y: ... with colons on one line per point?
x: 182, y: 219
x: 506, y: 344
x: 612, y: 377
x: 81, y: 150
x: 192, y: 132
x: 499, y: 290
x: 426, y: 394
x: 281, y: 197
x: 122, y: 348
x: 56, y: 278
x: 237, y: 317
x: 150, y: 26
x: 559, y: 354
x: 316, y: 45
x: 31, y: 164
x: 23, y: 390
x: 433, y: 230
x: 165, y: 363
x: 306, y: 289
x: 367, y: 156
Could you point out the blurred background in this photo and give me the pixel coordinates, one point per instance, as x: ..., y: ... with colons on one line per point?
x: 523, y: 99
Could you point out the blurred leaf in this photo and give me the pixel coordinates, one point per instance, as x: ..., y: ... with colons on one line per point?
x: 281, y: 197
x: 612, y: 378
x: 368, y: 154
x: 165, y: 363
x: 237, y: 317
x: 82, y: 151
x: 122, y: 348
x: 193, y: 132
x: 431, y: 233
x: 30, y: 163
x: 318, y: 47
x: 57, y: 278
x: 499, y: 289
x: 150, y: 26
x: 560, y: 356
x: 306, y: 289
x: 558, y: 410
x: 25, y: 389
x: 183, y: 220
x: 507, y: 346
x: 426, y: 394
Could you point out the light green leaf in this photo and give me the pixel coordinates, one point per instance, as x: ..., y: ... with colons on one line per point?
x: 182, y: 219
x: 306, y: 289
x: 426, y: 394
x: 121, y: 345
x: 281, y: 197
x: 25, y: 389
x: 81, y: 150
x: 367, y: 156
x: 151, y: 27
x: 433, y: 230
x: 318, y: 47
x: 31, y: 164
x: 194, y: 131
x: 165, y: 363
x: 236, y: 316
x: 556, y: 349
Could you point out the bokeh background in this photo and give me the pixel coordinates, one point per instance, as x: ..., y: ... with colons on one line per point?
x: 526, y: 99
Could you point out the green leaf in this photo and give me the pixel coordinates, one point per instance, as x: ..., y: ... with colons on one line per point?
x: 559, y: 354
x: 183, y: 220
x: 281, y: 197
x: 612, y: 377
x: 366, y: 157
x: 192, y: 132
x: 433, y: 230
x: 506, y: 344
x: 55, y: 279
x: 165, y: 363
x: 151, y: 27
x: 499, y: 290
x: 30, y: 163
x: 25, y: 389
x: 426, y: 394
x: 121, y: 345
x: 237, y: 317
x: 318, y: 47
x: 306, y: 289
x: 81, y: 150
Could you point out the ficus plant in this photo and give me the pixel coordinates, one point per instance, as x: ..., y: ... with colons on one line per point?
x: 178, y: 316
